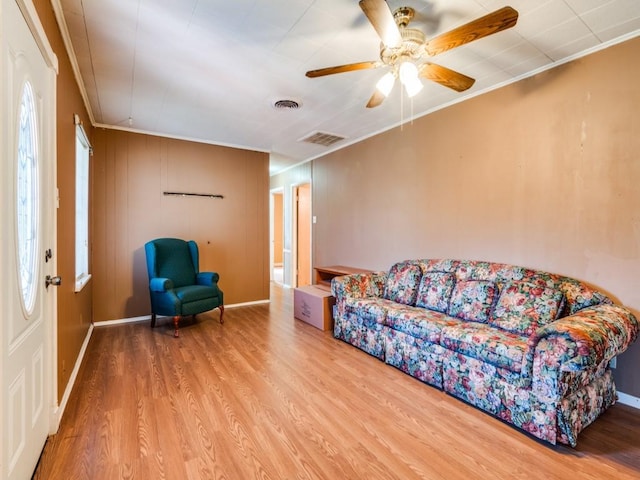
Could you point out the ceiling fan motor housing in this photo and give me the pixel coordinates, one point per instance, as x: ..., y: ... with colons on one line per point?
x: 412, y: 47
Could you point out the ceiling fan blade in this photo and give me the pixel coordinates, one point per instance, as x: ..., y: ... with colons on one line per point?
x: 445, y: 76
x: 376, y: 99
x: 497, y: 21
x: 342, y: 68
x: 378, y: 13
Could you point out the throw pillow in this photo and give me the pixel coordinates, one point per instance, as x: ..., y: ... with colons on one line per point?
x: 402, y: 283
x: 435, y: 291
x: 472, y: 300
x: 523, y: 307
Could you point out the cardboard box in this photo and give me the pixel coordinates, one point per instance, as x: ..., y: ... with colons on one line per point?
x: 314, y: 306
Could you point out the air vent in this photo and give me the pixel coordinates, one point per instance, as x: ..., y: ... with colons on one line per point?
x: 322, y: 138
x: 286, y: 104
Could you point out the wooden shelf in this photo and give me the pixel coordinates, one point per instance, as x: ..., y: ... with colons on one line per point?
x: 324, y: 275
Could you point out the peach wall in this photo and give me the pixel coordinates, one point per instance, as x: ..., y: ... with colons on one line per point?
x: 131, y: 172
x: 543, y: 173
x: 74, y: 309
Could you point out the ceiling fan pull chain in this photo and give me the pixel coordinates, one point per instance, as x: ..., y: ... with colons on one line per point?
x: 401, y: 110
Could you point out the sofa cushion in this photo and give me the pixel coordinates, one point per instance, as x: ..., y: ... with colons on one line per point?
x: 403, y: 282
x: 523, y: 307
x: 419, y: 322
x: 435, y: 291
x: 371, y: 309
x: 472, y: 300
x: 489, y: 344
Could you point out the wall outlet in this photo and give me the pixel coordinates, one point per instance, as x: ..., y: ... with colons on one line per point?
x: 614, y: 362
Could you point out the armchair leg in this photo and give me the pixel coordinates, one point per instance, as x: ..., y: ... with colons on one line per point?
x: 153, y: 320
x: 176, y: 321
x: 221, y: 307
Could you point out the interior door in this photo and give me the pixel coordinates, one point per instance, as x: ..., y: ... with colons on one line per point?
x: 303, y: 239
x: 27, y: 226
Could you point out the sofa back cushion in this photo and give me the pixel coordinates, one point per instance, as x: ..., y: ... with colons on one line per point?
x: 522, y: 307
x: 578, y: 294
x: 473, y: 300
x: 435, y: 291
x: 403, y: 282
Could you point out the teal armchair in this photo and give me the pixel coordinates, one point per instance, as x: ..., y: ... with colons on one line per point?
x: 176, y: 285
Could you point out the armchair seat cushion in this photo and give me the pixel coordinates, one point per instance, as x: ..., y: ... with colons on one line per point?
x: 193, y: 293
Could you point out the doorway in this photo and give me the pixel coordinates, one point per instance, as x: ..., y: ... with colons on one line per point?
x: 302, y: 198
x: 277, y: 236
x: 27, y: 231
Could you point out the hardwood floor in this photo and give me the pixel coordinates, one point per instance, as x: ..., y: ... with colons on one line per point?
x: 267, y: 396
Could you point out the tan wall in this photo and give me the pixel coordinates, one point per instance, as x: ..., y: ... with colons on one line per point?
x: 543, y: 173
x: 131, y: 172
x: 74, y: 309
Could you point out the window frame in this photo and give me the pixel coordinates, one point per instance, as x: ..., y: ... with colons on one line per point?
x: 82, y: 179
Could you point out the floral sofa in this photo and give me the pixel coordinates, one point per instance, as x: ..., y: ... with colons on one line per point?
x: 530, y: 347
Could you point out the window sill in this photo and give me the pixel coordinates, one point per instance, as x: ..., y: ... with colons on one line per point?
x: 81, y: 282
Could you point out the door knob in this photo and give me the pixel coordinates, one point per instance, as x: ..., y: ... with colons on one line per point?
x: 55, y: 281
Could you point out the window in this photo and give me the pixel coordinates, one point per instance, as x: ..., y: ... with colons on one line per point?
x: 27, y: 198
x: 83, y: 148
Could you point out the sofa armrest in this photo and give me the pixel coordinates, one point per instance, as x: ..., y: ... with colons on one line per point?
x: 358, y: 285
x: 159, y: 284
x: 207, y: 278
x: 588, y: 338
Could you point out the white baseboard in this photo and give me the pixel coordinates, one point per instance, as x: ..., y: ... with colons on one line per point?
x: 58, y: 411
x: 105, y: 323
x: 629, y: 400
x: 147, y: 318
x: 247, y: 304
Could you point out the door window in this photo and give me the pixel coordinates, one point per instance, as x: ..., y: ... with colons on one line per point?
x: 27, y: 198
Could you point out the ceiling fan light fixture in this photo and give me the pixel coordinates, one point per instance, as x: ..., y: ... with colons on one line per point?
x: 385, y: 84
x: 413, y: 87
x: 408, y: 72
x: 409, y: 77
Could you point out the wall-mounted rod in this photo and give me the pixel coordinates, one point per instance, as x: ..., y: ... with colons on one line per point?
x: 186, y: 194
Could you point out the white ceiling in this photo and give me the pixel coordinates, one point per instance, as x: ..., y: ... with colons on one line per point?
x: 210, y: 70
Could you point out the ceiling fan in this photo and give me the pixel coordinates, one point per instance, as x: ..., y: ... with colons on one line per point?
x: 404, y: 49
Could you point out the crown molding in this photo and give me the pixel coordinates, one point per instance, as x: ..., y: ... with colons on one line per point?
x: 66, y: 38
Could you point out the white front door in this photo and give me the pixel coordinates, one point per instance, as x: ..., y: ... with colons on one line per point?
x: 27, y: 235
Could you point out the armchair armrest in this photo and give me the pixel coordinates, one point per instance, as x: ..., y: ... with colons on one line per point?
x: 207, y: 278
x: 586, y: 339
x: 159, y: 284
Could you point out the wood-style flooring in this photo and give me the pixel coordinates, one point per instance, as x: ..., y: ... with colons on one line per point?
x: 265, y: 396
